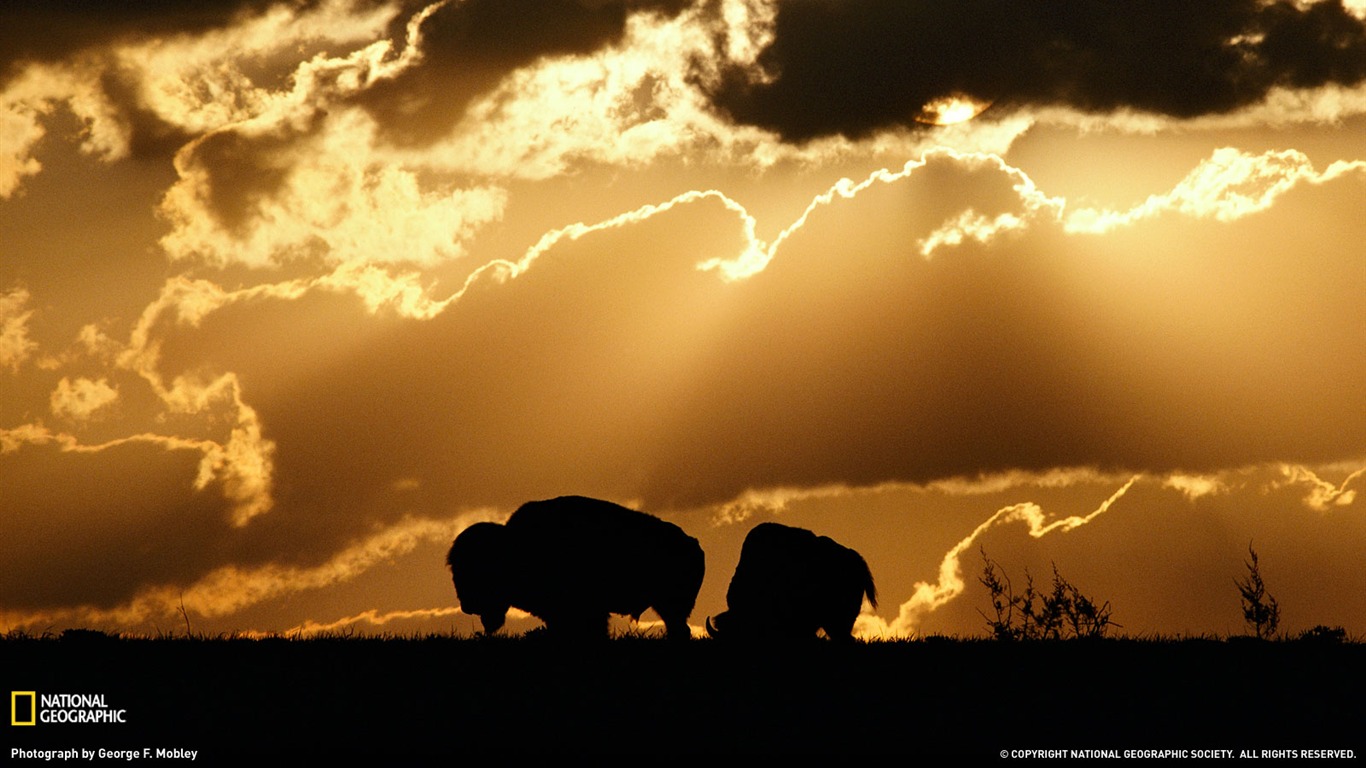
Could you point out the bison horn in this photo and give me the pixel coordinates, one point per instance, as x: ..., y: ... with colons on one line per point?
x: 712, y: 631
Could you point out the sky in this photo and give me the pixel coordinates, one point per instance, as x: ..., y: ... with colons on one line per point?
x: 293, y: 292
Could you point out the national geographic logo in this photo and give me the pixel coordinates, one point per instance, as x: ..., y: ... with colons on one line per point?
x: 30, y: 708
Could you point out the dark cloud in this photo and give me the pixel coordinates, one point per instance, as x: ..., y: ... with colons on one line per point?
x: 469, y: 47
x: 856, y: 67
x: 243, y: 171
x: 50, y: 30
x: 131, y: 521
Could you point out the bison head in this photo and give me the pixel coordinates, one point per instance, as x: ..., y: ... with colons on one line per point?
x: 477, y: 560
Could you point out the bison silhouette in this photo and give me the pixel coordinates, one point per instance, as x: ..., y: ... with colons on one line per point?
x: 571, y: 561
x: 789, y: 584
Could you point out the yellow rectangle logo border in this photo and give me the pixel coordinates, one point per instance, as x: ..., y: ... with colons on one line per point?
x: 14, y: 707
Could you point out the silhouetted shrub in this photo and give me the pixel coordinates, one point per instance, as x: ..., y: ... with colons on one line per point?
x: 1033, y: 614
x: 1261, y: 613
x: 1323, y: 634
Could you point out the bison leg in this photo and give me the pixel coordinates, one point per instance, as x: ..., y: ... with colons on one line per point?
x: 676, y: 626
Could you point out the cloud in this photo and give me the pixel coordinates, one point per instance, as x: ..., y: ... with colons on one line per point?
x: 283, y: 180
x: 1322, y: 495
x: 79, y: 399
x: 242, y: 464
x: 370, y: 618
x: 15, y: 344
x: 1000, y: 482
x: 312, y: 172
x: 856, y: 68
x: 755, y: 253
x: 32, y: 96
x: 628, y: 101
x: 302, y: 165
x: 202, y: 83
x: 469, y: 48
x: 929, y: 597
x: 328, y: 198
x: 775, y: 501
x: 769, y: 501
x: 128, y: 86
x: 1228, y: 186
x: 1196, y: 486
x: 20, y: 130
x: 286, y: 187
x: 232, y: 588
x: 50, y: 31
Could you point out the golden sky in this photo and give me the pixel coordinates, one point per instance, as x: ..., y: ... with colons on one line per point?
x: 291, y: 293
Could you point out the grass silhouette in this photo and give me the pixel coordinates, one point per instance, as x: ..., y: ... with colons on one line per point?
x: 1064, y: 682
x: 441, y: 696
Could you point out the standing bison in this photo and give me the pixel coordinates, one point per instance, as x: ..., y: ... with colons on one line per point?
x: 571, y: 561
x: 791, y: 583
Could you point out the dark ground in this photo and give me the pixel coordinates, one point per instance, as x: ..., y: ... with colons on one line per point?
x: 448, y: 698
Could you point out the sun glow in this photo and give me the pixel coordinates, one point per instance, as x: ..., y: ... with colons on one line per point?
x: 952, y: 109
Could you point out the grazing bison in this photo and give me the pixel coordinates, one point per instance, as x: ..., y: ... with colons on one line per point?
x: 791, y: 583
x: 571, y: 561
